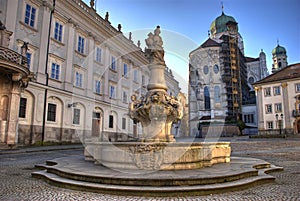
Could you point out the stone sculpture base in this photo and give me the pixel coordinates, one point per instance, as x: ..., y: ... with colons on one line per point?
x: 157, y: 155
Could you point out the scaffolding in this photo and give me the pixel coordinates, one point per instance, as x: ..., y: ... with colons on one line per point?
x: 230, y: 55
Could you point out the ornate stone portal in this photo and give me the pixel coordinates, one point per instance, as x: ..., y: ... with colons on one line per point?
x: 156, y: 111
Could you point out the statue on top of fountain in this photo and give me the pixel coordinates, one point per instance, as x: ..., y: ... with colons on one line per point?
x: 155, y: 52
x: 156, y: 110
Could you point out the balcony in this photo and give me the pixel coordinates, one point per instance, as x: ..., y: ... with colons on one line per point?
x: 13, y: 62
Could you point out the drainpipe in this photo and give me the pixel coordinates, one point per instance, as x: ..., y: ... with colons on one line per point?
x: 47, y: 75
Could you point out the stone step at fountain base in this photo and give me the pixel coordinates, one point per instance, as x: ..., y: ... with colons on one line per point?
x: 75, y: 173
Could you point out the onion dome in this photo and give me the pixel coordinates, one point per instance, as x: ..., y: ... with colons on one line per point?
x: 278, y: 50
x: 219, y: 25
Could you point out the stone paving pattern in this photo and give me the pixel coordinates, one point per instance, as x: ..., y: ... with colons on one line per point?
x: 17, y: 184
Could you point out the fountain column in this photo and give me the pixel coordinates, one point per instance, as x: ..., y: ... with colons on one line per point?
x: 156, y: 110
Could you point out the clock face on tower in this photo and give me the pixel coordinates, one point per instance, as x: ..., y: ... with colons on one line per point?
x: 216, y: 68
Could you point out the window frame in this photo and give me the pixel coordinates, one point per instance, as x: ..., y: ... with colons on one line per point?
x: 51, y: 112
x: 111, y: 121
x: 22, y: 107
x: 267, y: 107
x: 270, y: 125
x: 276, y: 107
x: 76, y: 116
x: 58, y: 31
x: 135, y: 75
x: 29, y: 59
x: 297, y: 87
x: 78, y: 80
x: 56, y: 74
x: 125, y: 69
x: 125, y: 96
x: 275, y: 92
x: 113, y: 65
x: 267, y: 89
x: 98, y: 55
x: 32, y: 18
x: 97, y: 86
x: 80, y: 44
x: 112, y: 91
x: 124, y: 122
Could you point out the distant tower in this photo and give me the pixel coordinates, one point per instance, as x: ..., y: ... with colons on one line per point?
x: 279, y: 58
x: 262, y: 65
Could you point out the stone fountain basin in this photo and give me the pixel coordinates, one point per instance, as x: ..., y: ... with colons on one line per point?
x: 157, y: 155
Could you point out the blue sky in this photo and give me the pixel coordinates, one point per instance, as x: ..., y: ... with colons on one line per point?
x: 185, y: 23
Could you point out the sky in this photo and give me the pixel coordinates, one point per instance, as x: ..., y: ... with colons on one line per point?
x: 185, y: 24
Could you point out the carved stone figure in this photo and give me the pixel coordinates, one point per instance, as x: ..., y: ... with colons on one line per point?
x: 155, y: 52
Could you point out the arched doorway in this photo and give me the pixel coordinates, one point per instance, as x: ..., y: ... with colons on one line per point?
x: 97, y: 122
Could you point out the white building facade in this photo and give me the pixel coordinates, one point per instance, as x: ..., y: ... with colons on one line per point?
x: 278, y: 98
x: 84, y: 80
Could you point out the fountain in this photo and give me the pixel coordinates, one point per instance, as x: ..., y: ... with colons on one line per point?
x: 156, y: 163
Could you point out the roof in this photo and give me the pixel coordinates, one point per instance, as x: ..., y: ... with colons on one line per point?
x: 250, y: 59
x: 219, y: 24
x: 278, y: 50
x: 287, y: 73
x: 210, y: 43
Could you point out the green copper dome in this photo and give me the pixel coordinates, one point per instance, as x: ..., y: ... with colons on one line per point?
x: 278, y: 50
x: 219, y: 24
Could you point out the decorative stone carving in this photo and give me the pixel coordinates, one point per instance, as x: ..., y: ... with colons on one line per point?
x: 156, y: 110
x: 147, y: 156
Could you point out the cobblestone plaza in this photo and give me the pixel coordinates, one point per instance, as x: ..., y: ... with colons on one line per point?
x: 17, y: 166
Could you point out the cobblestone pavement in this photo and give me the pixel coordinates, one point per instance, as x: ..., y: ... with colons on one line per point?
x: 16, y: 182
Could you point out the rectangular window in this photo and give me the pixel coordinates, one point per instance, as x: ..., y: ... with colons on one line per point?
x: 125, y: 69
x: 276, y: 91
x: 97, y: 86
x: 78, y: 81
x: 123, y: 123
x: 269, y: 124
x: 112, y: 91
x: 113, y: 63
x: 297, y: 86
x: 135, y: 75
x: 278, y: 107
x: 98, y: 54
x: 55, y: 71
x: 80, y: 45
x: 268, y: 108
x: 58, y: 31
x: 51, y: 115
x: 111, y: 121
x: 30, y: 14
x: 22, y: 108
x: 143, y: 80
x: 76, y: 116
x: 125, y: 97
x: 28, y: 57
x: 268, y: 91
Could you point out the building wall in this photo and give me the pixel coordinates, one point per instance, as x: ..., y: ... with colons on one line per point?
x: 73, y: 87
x: 287, y: 98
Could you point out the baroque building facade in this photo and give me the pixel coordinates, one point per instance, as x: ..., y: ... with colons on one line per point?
x: 278, y: 102
x: 220, y: 77
x: 85, y: 72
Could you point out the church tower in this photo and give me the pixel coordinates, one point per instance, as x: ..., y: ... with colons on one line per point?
x: 279, y: 58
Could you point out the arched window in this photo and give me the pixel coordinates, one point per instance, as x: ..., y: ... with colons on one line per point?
x: 217, y: 94
x: 206, y: 98
x: 279, y: 64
